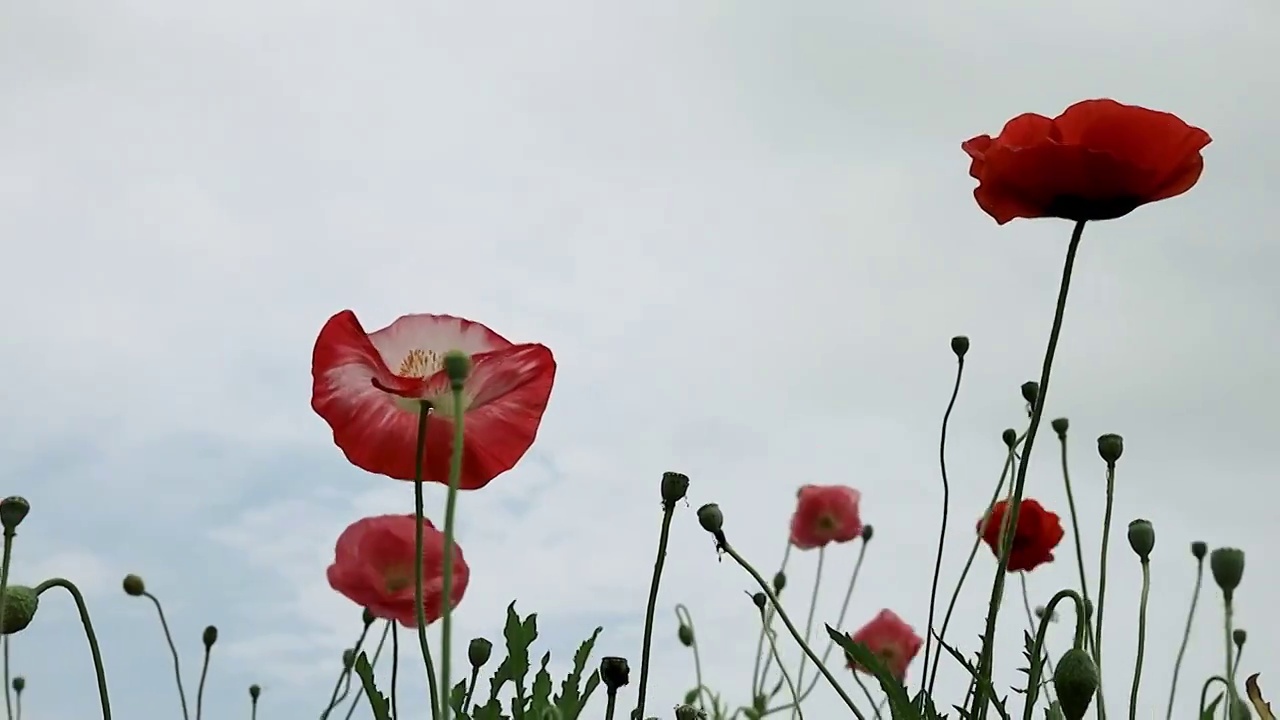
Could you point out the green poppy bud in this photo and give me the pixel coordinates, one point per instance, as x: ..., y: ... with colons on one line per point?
x: 960, y: 346
x: 479, y: 652
x: 457, y: 366
x: 1142, y: 538
x: 674, y: 487
x: 133, y: 585
x: 1060, y: 426
x: 1227, y: 565
x: 1010, y: 437
x: 780, y: 580
x: 1076, y: 680
x: 13, y: 510
x: 1030, y: 392
x: 255, y: 691
x: 19, y: 684
x: 1199, y: 549
x: 209, y: 637
x: 20, y: 605
x: 614, y: 672
x: 1110, y: 447
x: 710, y: 518
x: 685, y: 633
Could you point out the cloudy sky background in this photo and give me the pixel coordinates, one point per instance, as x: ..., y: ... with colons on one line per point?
x: 745, y: 228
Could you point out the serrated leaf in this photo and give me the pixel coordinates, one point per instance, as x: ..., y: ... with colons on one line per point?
x: 457, y: 696
x: 1210, y: 711
x: 570, y: 701
x: 540, y: 698
x: 519, y: 635
x: 1255, y: 696
x: 1034, y: 669
x: 973, y: 673
x: 593, y: 682
x: 925, y: 707
x: 378, y: 701
x: 491, y: 710
x: 1054, y: 712
x: 900, y: 707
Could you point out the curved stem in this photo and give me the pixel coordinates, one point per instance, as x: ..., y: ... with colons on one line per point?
x: 373, y: 662
x: 668, y: 511
x: 334, y: 698
x: 92, y: 637
x: 419, y: 459
x: 773, y: 649
x: 757, y: 676
x: 173, y: 650
x: 1031, y: 620
x: 844, y: 610
x: 946, y: 509
x: 968, y: 565
x: 1037, y: 648
x: 1075, y: 522
x: 1204, y: 691
x: 986, y: 659
x: 813, y: 609
x: 723, y: 544
x: 395, y: 669
x: 684, y: 617
x: 1102, y: 584
x: 204, y: 674
x: 450, y: 516
x: 1142, y: 639
x: 867, y: 691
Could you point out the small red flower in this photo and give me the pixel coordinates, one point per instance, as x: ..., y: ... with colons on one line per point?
x: 367, y: 387
x: 373, y: 567
x: 825, y: 514
x: 1039, y: 532
x: 890, y: 638
x: 1098, y: 160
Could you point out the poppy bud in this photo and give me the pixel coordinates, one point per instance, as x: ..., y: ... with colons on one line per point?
x: 1030, y: 391
x: 348, y: 658
x: 1238, y: 636
x: 691, y: 697
x: 1076, y: 680
x: 689, y: 712
x: 1110, y: 447
x: 685, y: 633
x: 209, y: 637
x: 457, y: 366
x: 1227, y: 565
x: 1088, y: 609
x: 20, y: 605
x: 1142, y: 538
x: 614, y: 672
x: 1053, y: 712
x: 1060, y: 426
x: 1199, y: 549
x: 710, y: 518
x: 867, y: 533
x: 780, y: 579
x: 960, y: 346
x: 479, y: 651
x: 1010, y: 437
x: 1040, y: 611
x: 13, y: 510
x: 19, y: 684
x: 255, y: 691
x: 133, y: 585
x: 366, y: 616
x: 760, y: 599
x: 674, y: 487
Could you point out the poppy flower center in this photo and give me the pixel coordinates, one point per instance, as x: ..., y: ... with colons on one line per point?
x: 397, y: 578
x: 827, y: 523
x: 420, y: 364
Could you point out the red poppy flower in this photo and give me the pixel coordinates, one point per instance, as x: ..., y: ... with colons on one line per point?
x: 367, y: 386
x: 1039, y: 532
x: 890, y: 638
x: 1098, y: 160
x: 373, y: 567
x: 825, y: 514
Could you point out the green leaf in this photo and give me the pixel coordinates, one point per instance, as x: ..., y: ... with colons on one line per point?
x: 457, y: 696
x: 381, y: 708
x: 1034, y: 670
x: 973, y: 673
x: 541, y: 698
x: 691, y: 697
x: 1210, y: 711
x: 519, y: 635
x: 923, y: 705
x: 570, y: 701
x: 1054, y: 712
x: 900, y: 707
x: 491, y: 710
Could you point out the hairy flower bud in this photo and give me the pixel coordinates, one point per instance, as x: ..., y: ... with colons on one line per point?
x: 1227, y: 565
x: 1010, y: 437
x: 689, y: 712
x: 348, y: 658
x: 19, y: 684
x: 1142, y: 538
x: 1238, y: 636
x: 760, y: 600
x: 1199, y: 549
x: 614, y: 672
x: 868, y: 532
x: 209, y: 637
x: 255, y: 691
x: 1030, y: 391
x: 133, y: 585
x: 457, y: 367
x: 367, y: 617
x: 1076, y: 680
x: 20, y: 605
x: 674, y: 487
x: 479, y: 652
x: 710, y: 518
x: 13, y: 510
x: 960, y: 346
x: 685, y: 634
x: 780, y: 580
x: 1060, y: 426
x: 691, y: 697
x: 1110, y: 447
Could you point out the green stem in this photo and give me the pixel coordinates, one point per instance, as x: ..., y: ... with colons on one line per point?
x: 773, y: 650
x: 986, y: 660
x: 813, y: 609
x: 844, y: 609
x: 373, y: 662
x: 419, y: 459
x: 334, y: 698
x: 204, y: 674
x: 1142, y: 638
x: 98, y: 669
x: 723, y: 544
x: 684, y: 617
x: 1031, y: 620
x: 8, y: 703
x: 668, y: 511
x: 946, y: 509
x: 1037, y: 649
x: 4, y: 584
x: 867, y: 691
x: 968, y: 565
x: 758, y: 677
x: 610, y: 704
x: 173, y: 650
x: 450, y: 516
x: 1075, y: 522
x: 471, y: 689
x: 1204, y: 691
x: 1102, y: 584
x: 1231, y: 675
x: 395, y: 671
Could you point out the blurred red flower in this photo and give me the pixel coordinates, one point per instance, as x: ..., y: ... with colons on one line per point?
x: 373, y: 410
x: 373, y: 567
x: 1098, y: 160
x: 1039, y: 532
x: 825, y: 514
x: 890, y: 638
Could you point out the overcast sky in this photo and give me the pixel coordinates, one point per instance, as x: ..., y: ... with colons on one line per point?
x: 745, y: 228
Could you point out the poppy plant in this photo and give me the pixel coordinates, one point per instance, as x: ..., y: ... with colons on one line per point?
x: 1098, y: 160
x: 373, y: 566
x: 369, y: 388
x: 891, y: 639
x: 825, y: 514
x: 1038, y: 533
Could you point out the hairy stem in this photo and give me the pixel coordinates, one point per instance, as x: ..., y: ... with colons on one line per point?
x: 450, y: 517
x: 89, y: 634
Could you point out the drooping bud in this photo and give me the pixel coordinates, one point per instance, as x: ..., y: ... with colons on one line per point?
x: 13, y: 510
x: 457, y: 367
x: 689, y: 712
x: 1110, y: 447
x: 255, y: 692
x: 348, y: 658
x: 614, y: 672
x: 760, y: 600
x: 1060, y: 426
x: 1199, y: 549
x: 1239, y: 636
x: 868, y: 532
x: 479, y: 652
x: 19, y: 684
x: 685, y: 634
x: 209, y: 637
x: 674, y: 487
x: 691, y: 697
x: 1227, y: 565
x: 960, y: 346
x: 1088, y: 610
x: 1076, y: 680
x: 20, y: 605
x: 1041, y: 610
x: 1010, y: 437
x: 367, y: 617
x: 710, y: 518
x: 133, y: 585
x: 1030, y: 391
x: 1142, y: 538
x: 780, y: 580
